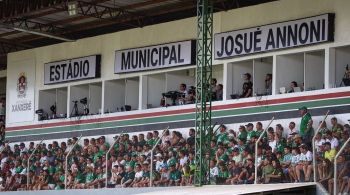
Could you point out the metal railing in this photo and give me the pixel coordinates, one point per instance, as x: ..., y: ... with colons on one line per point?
x: 335, y: 166
x: 256, y: 150
x: 107, y: 153
x: 314, y: 146
x: 66, y: 165
x: 155, y: 145
x: 28, y: 162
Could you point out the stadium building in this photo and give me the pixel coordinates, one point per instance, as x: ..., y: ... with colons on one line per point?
x: 269, y: 59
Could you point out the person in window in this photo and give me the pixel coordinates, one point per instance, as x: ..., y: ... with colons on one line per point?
x: 184, y: 93
x: 293, y: 84
x: 219, y: 92
x: 247, y: 86
x: 268, y: 84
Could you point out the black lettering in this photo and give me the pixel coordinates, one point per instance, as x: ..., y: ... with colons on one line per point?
x: 229, y: 46
x: 57, y: 70
x: 315, y: 31
x: 270, y: 40
x: 52, y: 73
x: 221, y: 52
x: 125, y: 61
x: 142, y: 58
x: 86, y: 68
x: 134, y: 59
x: 257, y: 40
x: 148, y: 57
x: 160, y: 56
x: 154, y: 61
x: 292, y: 35
x: 70, y: 71
x: 303, y: 39
x: 165, y: 54
x: 324, y: 29
x: 281, y: 37
x: 63, y: 66
x: 239, y: 45
x: 248, y: 41
x: 76, y: 69
x: 173, y: 55
x: 179, y: 59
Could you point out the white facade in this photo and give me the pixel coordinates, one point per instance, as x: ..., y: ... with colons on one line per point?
x: 327, y: 60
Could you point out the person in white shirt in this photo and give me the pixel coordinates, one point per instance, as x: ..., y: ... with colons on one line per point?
x: 213, y: 172
x: 183, y: 159
x: 294, y: 163
x: 159, y: 161
x: 319, y: 141
x: 138, y: 175
x: 292, y: 130
x: 305, y: 163
x: 333, y: 140
x: 3, y: 159
x: 272, y: 142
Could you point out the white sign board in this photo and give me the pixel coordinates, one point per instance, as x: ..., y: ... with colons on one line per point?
x: 307, y: 31
x: 20, y: 88
x: 155, y: 57
x: 72, y: 69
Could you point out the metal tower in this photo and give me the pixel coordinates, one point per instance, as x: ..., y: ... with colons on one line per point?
x: 203, y: 90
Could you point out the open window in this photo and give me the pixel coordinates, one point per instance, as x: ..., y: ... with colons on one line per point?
x: 314, y: 70
x: 121, y: 95
x: 52, y: 103
x: 86, y: 99
x: 290, y: 73
x: 235, y: 78
x: 341, y: 61
x: 262, y: 78
x: 153, y: 86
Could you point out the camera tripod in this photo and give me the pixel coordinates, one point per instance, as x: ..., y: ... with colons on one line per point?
x: 346, y: 78
x: 74, y: 111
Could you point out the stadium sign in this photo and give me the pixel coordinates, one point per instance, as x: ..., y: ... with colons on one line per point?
x: 307, y: 31
x: 21, y: 84
x: 155, y: 57
x: 72, y: 69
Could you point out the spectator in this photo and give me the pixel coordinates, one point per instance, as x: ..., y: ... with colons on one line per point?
x: 305, y: 164
x: 247, y: 86
x: 268, y: 84
x: 305, y: 118
x: 293, y: 85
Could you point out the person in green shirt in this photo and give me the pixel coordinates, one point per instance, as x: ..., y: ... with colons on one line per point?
x: 242, y: 133
x: 222, y: 136
x: 223, y: 174
x: 79, y: 179
x: 89, y: 177
x: 128, y: 177
x: 150, y: 141
x: 267, y: 169
x: 259, y: 130
x: 276, y: 175
x: 335, y: 126
x: 174, y: 176
x: 305, y: 118
x: 250, y: 131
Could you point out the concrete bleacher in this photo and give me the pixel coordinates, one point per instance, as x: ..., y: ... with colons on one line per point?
x: 291, y: 188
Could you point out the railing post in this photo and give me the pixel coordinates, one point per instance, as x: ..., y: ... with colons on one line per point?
x: 256, y: 151
x: 335, y: 166
x: 314, y: 146
x: 66, y: 165
x: 155, y: 145
x: 28, y: 162
x: 109, y: 150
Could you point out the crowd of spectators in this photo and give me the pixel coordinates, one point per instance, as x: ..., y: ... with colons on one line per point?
x: 284, y: 155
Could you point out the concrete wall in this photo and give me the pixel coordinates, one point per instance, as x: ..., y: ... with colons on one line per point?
x: 185, y: 29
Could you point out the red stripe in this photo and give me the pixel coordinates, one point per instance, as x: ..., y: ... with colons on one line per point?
x: 183, y: 111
